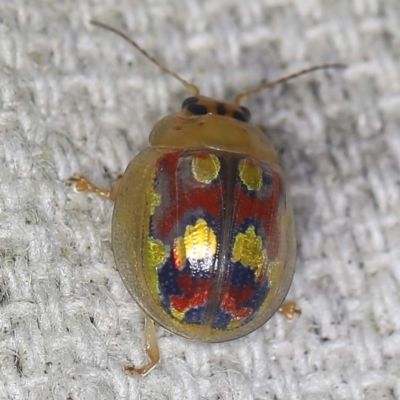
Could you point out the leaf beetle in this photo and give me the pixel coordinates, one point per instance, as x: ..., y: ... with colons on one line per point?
x: 203, y: 228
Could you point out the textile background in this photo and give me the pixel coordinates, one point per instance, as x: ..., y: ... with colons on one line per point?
x: 75, y: 99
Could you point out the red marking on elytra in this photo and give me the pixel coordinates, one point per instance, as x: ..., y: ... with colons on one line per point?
x: 232, y: 304
x: 184, y: 198
x: 195, y: 293
x: 266, y: 211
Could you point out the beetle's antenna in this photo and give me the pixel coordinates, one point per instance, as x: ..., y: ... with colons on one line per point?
x: 245, y: 95
x: 193, y: 89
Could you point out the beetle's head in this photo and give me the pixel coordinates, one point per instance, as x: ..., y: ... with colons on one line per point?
x: 202, y: 105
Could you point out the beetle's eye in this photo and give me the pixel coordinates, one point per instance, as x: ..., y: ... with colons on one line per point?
x: 243, y: 115
x: 189, y: 100
x: 191, y: 105
x: 246, y: 112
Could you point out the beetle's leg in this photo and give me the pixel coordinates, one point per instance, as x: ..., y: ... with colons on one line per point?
x: 151, y: 346
x: 82, y: 184
x: 289, y: 309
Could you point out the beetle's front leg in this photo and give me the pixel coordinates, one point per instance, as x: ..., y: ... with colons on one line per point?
x: 151, y: 345
x: 82, y: 184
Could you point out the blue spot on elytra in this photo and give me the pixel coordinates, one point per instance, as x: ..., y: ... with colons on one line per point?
x: 195, y: 316
x: 221, y: 320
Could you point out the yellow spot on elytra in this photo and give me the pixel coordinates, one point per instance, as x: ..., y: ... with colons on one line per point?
x: 179, y: 315
x: 235, y: 323
x: 250, y: 174
x: 248, y: 249
x: 157, y: 254
x: 153, y: 199
x: 205, y: 168
x: 198, y: 243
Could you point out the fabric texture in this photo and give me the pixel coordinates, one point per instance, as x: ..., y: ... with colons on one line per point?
x: 75, y: 99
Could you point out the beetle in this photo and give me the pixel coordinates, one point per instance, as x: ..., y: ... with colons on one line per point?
x: 203, y: 228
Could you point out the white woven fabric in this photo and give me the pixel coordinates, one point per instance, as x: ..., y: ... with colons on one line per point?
x: 77, y: 100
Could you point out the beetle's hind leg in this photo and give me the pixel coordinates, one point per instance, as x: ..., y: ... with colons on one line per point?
x: 82, y: 184
x: 151, y: 345
x: 289, y: 309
